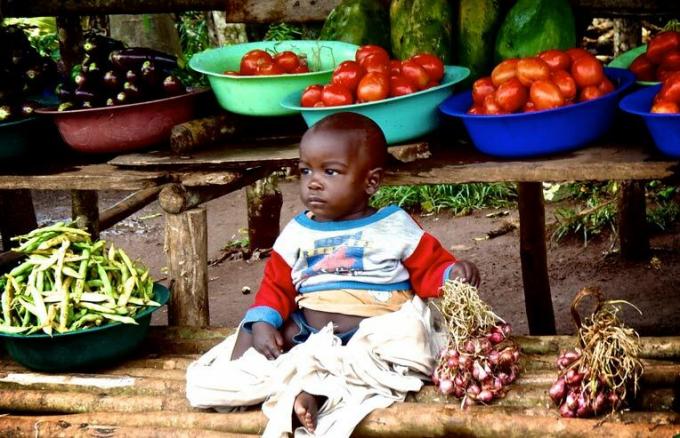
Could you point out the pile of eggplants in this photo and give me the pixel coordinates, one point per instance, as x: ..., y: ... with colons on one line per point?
x: 111, y: 74
x: 24, y: 74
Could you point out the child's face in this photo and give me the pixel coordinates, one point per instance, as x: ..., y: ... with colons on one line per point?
x: 336, y: 180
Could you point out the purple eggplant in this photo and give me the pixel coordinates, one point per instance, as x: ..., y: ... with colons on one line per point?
x: 27, y: 109
x: 65, y: 106
x: 150, y: 74
x: 84, y: 95
x: 172, y: 86
x: 111, y: 80
x: 134, y: 57
x: 131, y: 76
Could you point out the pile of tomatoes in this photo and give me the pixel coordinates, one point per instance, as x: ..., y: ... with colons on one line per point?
x: 259, y: 62
x: 661, y: 59
x: 550, y: 80
x: 667, y: 100
x: 374, y: 76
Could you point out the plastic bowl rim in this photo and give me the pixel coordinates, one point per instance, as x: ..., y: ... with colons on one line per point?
x: 18, y: 122
x: 647, y: 114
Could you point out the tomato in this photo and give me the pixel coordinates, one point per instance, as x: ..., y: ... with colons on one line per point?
x: 660, y: 44
x: 432, y: 65
x: 663, y: 75
x: 671, y: 60
x: 481, y: 88
x: 476, y: 110
x: 287, y: 60
x: 370, y: 49
x: 348, y: 74
x: 577, y: 52
x: 269, y: 69
x: 376, y: 63
x: 430, y: 85
x: 529, y: 107
x: 395, y: 67
x: 664, y: 107
x: 334, y: 95
x: 400, y: 86
x: 319, y: 104
x: 490, y: 106
x: 670, y: 90
x: 532, y: 69
x: 606, y: 86
x: 231, y: 73
x: 511, y: 95
x: 415, y: 73
x: 586, y: 71
x: 545, y: 95
x: 372, y: 87
x: 556, y: 59
x: 253, y: 59
x: 565, y: 83
x: 504, y: 71
x: 589, y: 93
x: 643, y: 69
x: 302, y: 68
x: 311, y: 95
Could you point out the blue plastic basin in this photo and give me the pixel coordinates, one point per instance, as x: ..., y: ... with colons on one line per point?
x: 540, y: 132
x: 664, y: 128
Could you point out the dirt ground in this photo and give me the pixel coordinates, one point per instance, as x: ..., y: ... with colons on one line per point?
x: 654, y: 287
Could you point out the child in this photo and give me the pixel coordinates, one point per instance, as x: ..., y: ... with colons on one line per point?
x: 342, y: 261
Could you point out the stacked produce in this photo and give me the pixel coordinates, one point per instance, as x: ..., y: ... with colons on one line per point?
x: 68, y: 282
x: 660, y: 60
x: 374, y: 76
x: 598, y: 377
x: 550, y: 80
x: 358, y: 22
x: 667, y: 100
x: 24, y: 74
x: 479, y: 362
x: 259, y: 62
x: 110, y: 74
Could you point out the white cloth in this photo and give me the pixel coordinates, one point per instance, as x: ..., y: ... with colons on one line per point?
x: 387, y: 357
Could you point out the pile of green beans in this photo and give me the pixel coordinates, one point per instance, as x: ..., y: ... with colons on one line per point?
x: 67, y: 282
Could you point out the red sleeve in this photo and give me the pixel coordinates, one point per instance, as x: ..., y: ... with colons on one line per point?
x: 275, y: 298
x: 428, y: 266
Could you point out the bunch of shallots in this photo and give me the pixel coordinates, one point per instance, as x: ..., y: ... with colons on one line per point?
x: 479, y: 361
x: 597, y: 377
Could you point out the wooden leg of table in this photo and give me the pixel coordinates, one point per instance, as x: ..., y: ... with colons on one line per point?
x: 85, y: 210
x: 632, y: 219
x: 18, y: 215
x: 186, y: 247
x: 533, y: 254
x: 264, y: 211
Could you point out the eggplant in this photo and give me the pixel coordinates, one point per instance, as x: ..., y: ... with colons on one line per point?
x: 111, y: 80
x: 133, y: 58
x: 111, y: 102
x: 172, y: 86
x: 122, y: 98
x: 150, y: 74
x: 133, y: 92
x: 84, y: 95
x: 34, y: 79
x: 63, y: 92
x: 80, y: 80
x: 87, y: 104
x: 27, y: 108
x: 93, y: 69
x: 6, y: 113
x: 100, y: 44
x: 65, y: 106
x: 131, y: 76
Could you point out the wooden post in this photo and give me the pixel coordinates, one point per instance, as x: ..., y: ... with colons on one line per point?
x: 70, y: 35
x: 532, y: 249
x: 264, y: 211
x: 632, y: 218
x: 186, y: 247
x: 85, y: 210
x: 18, y: 215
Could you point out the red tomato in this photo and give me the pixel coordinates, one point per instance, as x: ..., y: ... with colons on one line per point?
x: 476, y: 110
x: 319, y: 104
x: 511, y: 95
x: 269, y: 69
x: 586, y: 71
x: 664, y: 107
x: 606, y: 86
x: 302, y: 68
x: 529, y: 107
x: 589, y: 93
x: 335, y: 95
x: 400, y: 86
x: 376, y: 63
x: 671, y: 60
x: 545, y: 95
x: 565, y: 83
x: 372, y: 87
x: 287, y: 60
x: 395, y: 67
x: 643, y: 69
x: 532, y: 69
x: 370, y: 49
x: 577, y: 52
x: 663, y: 75
x: 660, y: 44
x: 415, y: 73
x: 670, y: 90
x: 231, y: 73
x: 348, y: 74
x: 252, y: 60
x: 481, y: 88
x: 490, y: 106
x: 311, y: 95
x: 556, y: 59
x: 430, y: 85
x: 432, y: 65
x: 504, y: 71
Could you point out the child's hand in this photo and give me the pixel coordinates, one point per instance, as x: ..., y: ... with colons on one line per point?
x: 267, y: 340
x: 466, y: 272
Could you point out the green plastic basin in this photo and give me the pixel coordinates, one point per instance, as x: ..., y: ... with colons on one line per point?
x: 625, y: 59
x: 17, y: 137
x: 84, y: 349
x: 401, y: 118
x: 260, y: 95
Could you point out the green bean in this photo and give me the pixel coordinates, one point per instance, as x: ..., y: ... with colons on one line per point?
x: 72, y: 272
x: 7, y: 302
x: 12, y: 330
x: 105, y: 280
x: 119, y: 318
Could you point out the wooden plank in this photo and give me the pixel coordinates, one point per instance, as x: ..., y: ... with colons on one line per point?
x: 627, y: 8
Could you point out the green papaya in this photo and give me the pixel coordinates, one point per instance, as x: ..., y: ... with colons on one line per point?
x: 533, y: 26
x: 358, y: 22
x: 478, y: 21
x: 421, y: 26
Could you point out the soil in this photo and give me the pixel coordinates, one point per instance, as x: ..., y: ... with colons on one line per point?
x: 653, y: 285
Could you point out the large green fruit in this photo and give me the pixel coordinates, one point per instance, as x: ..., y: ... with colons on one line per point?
x: 358, y: 22
x: 478, y: 22
x: 533, y: 26
x: 421, y: 26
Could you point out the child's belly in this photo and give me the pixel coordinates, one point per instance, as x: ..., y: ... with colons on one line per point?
x: 341, y: 323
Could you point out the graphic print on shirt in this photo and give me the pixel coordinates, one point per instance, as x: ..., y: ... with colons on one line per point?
x: 342, y: 254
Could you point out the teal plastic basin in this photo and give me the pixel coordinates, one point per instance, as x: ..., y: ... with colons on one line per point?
x: 401, y: 118
x: 16, y: 137
x: 84, y: 349
x: 625, y: 59
x: 260, y: 95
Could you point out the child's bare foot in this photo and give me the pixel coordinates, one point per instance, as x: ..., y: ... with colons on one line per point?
x: 306, y: 410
